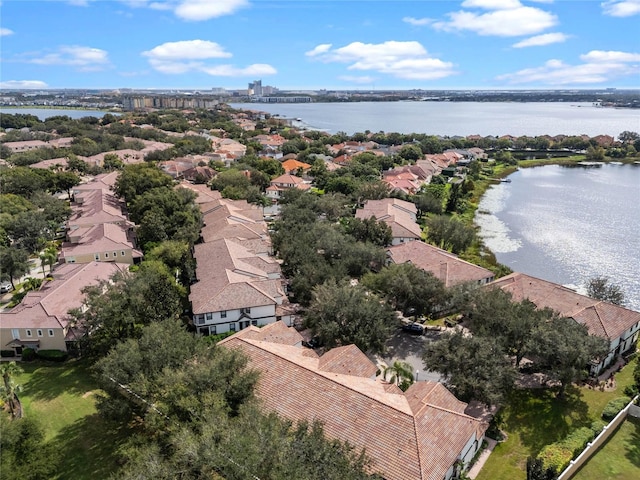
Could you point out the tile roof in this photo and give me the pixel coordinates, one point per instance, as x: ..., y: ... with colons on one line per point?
x: 99, y: 238
x: 398, y: 214
x: 416, y: 435
x: 601, y: 318
x: 48, y: 306
x: 444, y: 265
x: 231, y: 276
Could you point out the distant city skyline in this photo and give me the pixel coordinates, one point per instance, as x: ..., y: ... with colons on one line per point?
x: 313, y: 45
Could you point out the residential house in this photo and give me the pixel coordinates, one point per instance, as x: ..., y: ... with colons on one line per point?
x: 25, y: 146
x: 52, y: 164
x: 283, y: 183
x: 423, y: 433
x: 292, y: 165
x: 105, y: 242
x: 444, y: 265
x: 398, y: 214
x: 41, y: 320
x: 236, y: 288
x: 618, y: 325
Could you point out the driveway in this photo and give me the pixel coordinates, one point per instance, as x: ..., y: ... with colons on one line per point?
x: 406, y: 347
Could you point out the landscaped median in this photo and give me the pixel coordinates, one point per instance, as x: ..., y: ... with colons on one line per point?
x: 533, y: 419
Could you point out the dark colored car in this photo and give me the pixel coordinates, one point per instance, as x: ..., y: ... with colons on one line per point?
x: 414, y: 328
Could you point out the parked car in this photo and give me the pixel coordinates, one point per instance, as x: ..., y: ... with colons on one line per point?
x: 414, y: 328
x: 5, y: 287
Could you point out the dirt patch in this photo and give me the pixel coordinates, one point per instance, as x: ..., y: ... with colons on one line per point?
x: 87, y: 394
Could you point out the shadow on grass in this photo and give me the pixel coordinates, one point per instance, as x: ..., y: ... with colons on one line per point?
x: 633, y: 452
x: 48, y: 380
x: 87, y: 448
x: 540, y: 418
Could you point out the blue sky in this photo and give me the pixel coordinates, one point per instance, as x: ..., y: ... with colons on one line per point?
x: 313, y: 44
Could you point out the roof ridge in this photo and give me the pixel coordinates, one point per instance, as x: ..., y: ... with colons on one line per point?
x: 326, y: 375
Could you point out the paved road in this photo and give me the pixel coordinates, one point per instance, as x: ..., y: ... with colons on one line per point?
x: 408, y: 348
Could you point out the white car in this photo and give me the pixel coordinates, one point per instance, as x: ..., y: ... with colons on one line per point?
x: 5, y: 287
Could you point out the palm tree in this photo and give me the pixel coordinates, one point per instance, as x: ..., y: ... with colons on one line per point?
x: 31, y: 283
x: 401, y: 373
x: 48, y: 257
x: 9, y: 389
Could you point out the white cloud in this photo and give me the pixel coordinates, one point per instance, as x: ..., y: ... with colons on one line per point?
x: 418, y: 22
x: 610, y: 56
x: 408, y: 60
x: 22, y: 84
x: 359, y: 80
x: 191, y: 10
x: 540, y: 40
x: 191, y: 56
x: 621, y: 8
x: 502, y: 23
x: 5, y: 32
x: 492, y: 4
x: 83, y: 58
x: 206, y: 9
x: 318, y: 50
x: 187, y: 49
x: 598, y: 67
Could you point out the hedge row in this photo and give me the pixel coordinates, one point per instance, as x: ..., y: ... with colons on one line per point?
x: 558, y: 455
x: 7, y: 353
x: 29, y: 354
x: 614, y: 407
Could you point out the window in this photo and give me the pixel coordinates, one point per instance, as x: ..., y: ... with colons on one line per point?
x: 122, y: 253
x: 223, y: 314
x: 106, y: 254
x: 232, y: 327
x: 71, y: 260
x: 39, y: 332
x: 28, y: 332
x: 212, y: 330
x: 254, y: 323
x: 96, y: 257
x: 15, y: 333
x: 209, y: 316
x: 200, y: 319
x: 50, y: 332
x: 115, y: 254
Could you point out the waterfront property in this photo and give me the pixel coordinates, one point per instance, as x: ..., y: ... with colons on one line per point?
x: 398, y: 214
x: 618, y: 325
x: 445, y: 266
x: 423, y: 433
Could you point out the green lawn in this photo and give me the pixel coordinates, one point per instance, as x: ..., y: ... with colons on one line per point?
x: 61, y: 398
x: 535, y: 418
x: 618, y: 458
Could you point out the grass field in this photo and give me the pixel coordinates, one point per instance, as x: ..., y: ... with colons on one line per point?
x: 61, y: 398
x: 618, y: 458
x: 533, y: 419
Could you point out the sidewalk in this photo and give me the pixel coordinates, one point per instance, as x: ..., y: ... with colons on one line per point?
x: 475, y: 469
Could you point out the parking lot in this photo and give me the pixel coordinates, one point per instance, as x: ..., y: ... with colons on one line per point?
x: 407, y: 347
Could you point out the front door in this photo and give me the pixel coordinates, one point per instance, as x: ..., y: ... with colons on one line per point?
x: 18, y: 351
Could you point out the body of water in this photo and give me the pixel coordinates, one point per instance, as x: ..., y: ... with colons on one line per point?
x: 458, y: 118
x: 44, y: 113
x: 568, y: 224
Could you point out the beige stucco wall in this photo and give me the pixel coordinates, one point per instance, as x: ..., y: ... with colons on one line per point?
x: 47, y: 342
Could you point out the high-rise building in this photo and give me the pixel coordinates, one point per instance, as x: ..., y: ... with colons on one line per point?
x: 255, y: 88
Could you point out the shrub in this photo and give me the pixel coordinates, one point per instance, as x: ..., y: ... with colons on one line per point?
x: 558, y: 455
x: 28, y: 354
x: 597, y: 427
x: 631, y: 391
x: 7, y: 353
x: 614, y: 407
x: 52, y: 355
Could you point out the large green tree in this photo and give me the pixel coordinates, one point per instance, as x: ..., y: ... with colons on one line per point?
x: 342, y: 314
x: 139, y: 178
x: 408, y: 288
x: 14, y: 262
x: 563, y: 349
x: 473, y: 367
x: 601, y: 289
x: 449, y: 233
